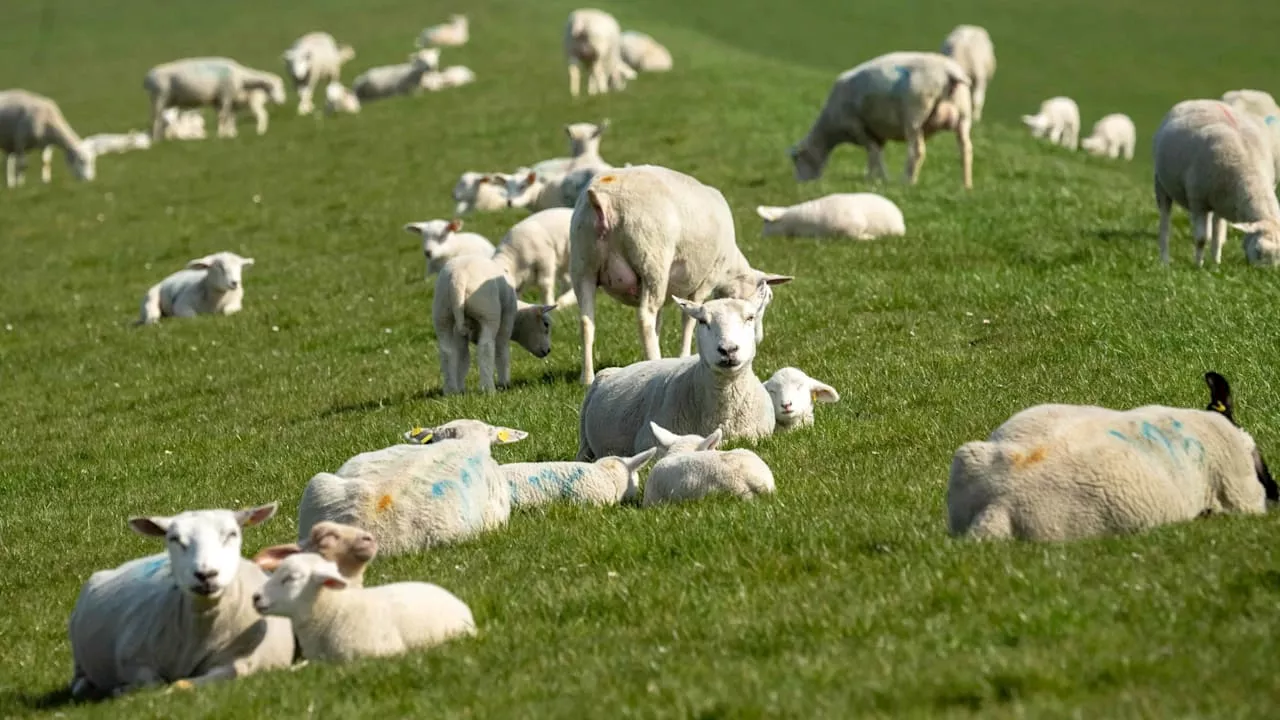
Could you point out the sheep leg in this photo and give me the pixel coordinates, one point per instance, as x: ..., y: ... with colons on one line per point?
x: 305, y: 93
x: 447, y: 343
x: 1219, y: 239
x: 601, y: 76
x: 485, y: 351
x: 502, y: 358
x: 587, y: 315
x: 226, y: 117
x: 547, y: 284
x: 157, y: 118
x: 1165, y: 204
x: 263, y: 119
x: 686, y: 335
x: 575, y: 78
x: 875, y: 162
x: 46, y: 164
x: 1073, y: 137
x: 1201, y: 228
x: 966, y: 151
x: 19, y: 167
x: 11, y: 169
x: 647, y: 312
x: 1055, y: 135
x: 979, y: 98
x: 915, y: 154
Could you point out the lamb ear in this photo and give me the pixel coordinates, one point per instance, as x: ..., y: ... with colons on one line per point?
x: 711, y: 441
x: 330, y: 577
x: 203, y: 263
x: 246, y: 262
x: 505, y: 435
x: 154, y: 526
x: 254, y: 516
x: 269, y: 558
x: 454, y: 225
x: 692, y: 309
x: 1219, y: 395
x: 824, y: 393
x: 664, y: 437
x: 635, y: 462
x: 1029, y: 120
x: 604, y: 125
x: 772, y: 279
x: 531, y: 178
x: 415, y: 228
x: 546, y: 309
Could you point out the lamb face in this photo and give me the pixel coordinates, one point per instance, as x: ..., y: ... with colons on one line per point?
x: 225, y: 270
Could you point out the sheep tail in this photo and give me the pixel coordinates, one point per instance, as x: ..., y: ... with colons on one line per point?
x: 458, y: 291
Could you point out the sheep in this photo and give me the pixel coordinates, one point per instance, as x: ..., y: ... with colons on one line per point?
x: 644, y: 233
x: 315, y: 60
x: 690, y: 467
x: 642, y: 53
x: 107, y: 143
x: 858, y: 216
x: 210, y: 285
x: 441, y: 487
x: 1255, y: 102
x: 1065, y: 472
x: 442, y: 241
x: 180, y: 616
x: 1058, y: 120
x: 182, y: 125
x: 340, y: 99
x: 451, y: 77
x: 349, y: 547
x: 1215, y: 162
x: 1113, y: 136
x: 387, y: 81
x: 255, y: 103
x: 558, y: 182
x: 607, y: 481
x: 535, y: 251
x: 29, y: 121
x: 205, y: 81
x: 905, y: 96
x: 484, y: 192
x: 716, y: 389
x: 592, y: 40
x: 970, y: 45
x: 454, y: 33
x: 475, y: 304
x: 793, y: 394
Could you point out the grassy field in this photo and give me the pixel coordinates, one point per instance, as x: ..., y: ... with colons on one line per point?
x: 840, y: 596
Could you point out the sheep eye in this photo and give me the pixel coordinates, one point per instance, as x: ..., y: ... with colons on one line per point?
x: 177, y: 541
x: 231, y: 535
x: 750, y: 318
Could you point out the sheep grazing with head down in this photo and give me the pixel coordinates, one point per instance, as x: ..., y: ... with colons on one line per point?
x: 442, y: 241
x: 1113, y: 136
x: 1058, y: 121
x: 347, y: 546
x: 210, y: 285
x: 644, y: 54
x: 206, y: 82
x: 857, y: 216
x: 794, y: 395
x: 607, y: 481
x: 28, y: 122
x: 1064, y: 472
x: 315, y: 60
x: 690, y: 467
x: 970, y: 45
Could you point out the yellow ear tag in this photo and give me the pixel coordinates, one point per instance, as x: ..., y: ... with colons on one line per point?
x: 503, y: 436
x: 415, y: 430
x: 813, y: 396
x: 427, y: 438
x: 1219, y: 406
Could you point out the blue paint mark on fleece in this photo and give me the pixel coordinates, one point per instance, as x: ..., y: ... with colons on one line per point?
x: 1187, y: 444
x: 153, y: 567
x: 904, y: 79
x: 471, y: 513
x: 1272, y: 119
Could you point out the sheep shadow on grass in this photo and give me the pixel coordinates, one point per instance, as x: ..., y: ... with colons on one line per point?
x: 1115, y: 235
x: 52, y: 700
x: 549, y: 377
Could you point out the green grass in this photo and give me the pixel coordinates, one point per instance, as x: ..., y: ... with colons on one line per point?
x: 840, y: 596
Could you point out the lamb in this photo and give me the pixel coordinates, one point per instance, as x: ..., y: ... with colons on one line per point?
x: 349, y: 547
x: 716, y: 389
x: 315, y: 60
x: 441, y: 487
x: 690, y: 467
x: 793, y: 394
x: 593, y: 40
x: 29, y: 121
x: 1113, y: 136
x: 535, y: 251
x: 644, y: 233
x: 905, y: 96
x: 182, y: 125
x: 485, y: 192
x: 387, y: 81
x: 255, y: 103
x: 338, y: 98
x: 181, y: 616
x: 607, y: 481
x: 454, y: 33
x: 210, y: 285
x: 205, y: 81
x: 442, y: 241
x: 558, y: 182
x: 644, y: 54
x: 1065, y: 472
x: 1255, y: 102
x: 970, y: 45
x: 1216, y: 162
x: 451, y: 77
x: 107, y: 143
x: 858, y: 216
x: 1058, y: 120
x: 474, y: 304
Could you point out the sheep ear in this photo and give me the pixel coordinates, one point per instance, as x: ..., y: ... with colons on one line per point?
x: 505, y: 436
x: 269, y: 558
x: 546, y: 309
x: 635, y: 462
x: 770, y: 214
x: 415, y: 228
x: 821, y: 392
x: 454, y: 225
x: 154, y: 526
x: 1219, y: 395
x: 604, y: 125
x: 200, y: 263
x: 664, y: 437
x: 692, y: 309
x: 1264, y: 476
x: 772, y: 279
x: 330, y: 577
x: 531, y: 178
x: 568, y: 131
x: 254, y: 516
x: 246, y: 262
x: 711, y: 441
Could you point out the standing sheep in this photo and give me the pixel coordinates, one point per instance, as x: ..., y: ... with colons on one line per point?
x: 970, y: 45
x: 690, y: 467
x: 315, y: 60
x: 206, y: 81
x: 593, y: 40
x: 210, y: 285
x: 535, y: 251
x: 454, y: 33
x: 1113, y: 136
x: 1058, y: 120
x: 793, y: 394
x: 28, y: 122
x: 905, y: 96
x: 386, y: 81
x: 858, y: 216
x: 607, y: 481
x: 644, y: 54
x: 442, y: 241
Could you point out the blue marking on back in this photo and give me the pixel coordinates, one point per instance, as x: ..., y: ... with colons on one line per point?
x: 153, y: 568
x: 1272, y: 119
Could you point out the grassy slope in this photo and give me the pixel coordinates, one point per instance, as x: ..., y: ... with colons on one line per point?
x: 843, y: 591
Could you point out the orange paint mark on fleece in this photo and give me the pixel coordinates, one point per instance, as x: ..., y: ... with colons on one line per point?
x: 1023, y: 461
x: 384, y: 502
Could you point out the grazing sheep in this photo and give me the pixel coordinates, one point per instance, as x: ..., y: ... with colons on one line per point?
x: 206, y: 81
x: 1216, y: 162
x: 1065, y: 472
x: 210, y: 285
x: 338, y: 98
x: 182, y: 124
x: 1113, y: 136
x: 644, y: 54
x: 716, y: 389
x: 593, y: 40
x: 315, y: 60
x: 349, y: 547
x: 690, y: 467
x: 1255, y: 102
x: 646, y: 233
x: 485, y: 192
x: 454, y: 33
x: 475, y: 304
x: 1058, y: 120
x: 793, y: 394
x: 451, y: 77
x: 535, y: 251
x: 29, y: 121
x: 970, y: 45
x: 108, y: 143
x: 386, y: 81
x: 607, y: 481
x: 441, y: 487
x: 183, y: 615
x: 442, y: 241
x: 905, y: 96
x: 254, y: 102
x: 859, y: 216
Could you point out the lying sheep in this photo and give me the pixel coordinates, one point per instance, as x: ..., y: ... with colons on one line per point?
x: 644, y: 54
x: 1113, y: 136
x: 337, y: 622
x: 690, y: 467
x: 206, y: 81
x: 607, y: 481
x: 315, y: 60
x: 29, y: 121
x: 182, y: 124
x: 970, y: 45
x: 1065, y: 472
x: 485, y: 192
x: 1216, y: 162
x: 558, y: 182
x: 451, y: 77
x: 387, y: 81
x: 454, y: 33
x: 338, y: 98
x: 593, y: 40
x: 442, y: 241
x: 1058, y: 120
x: 716, y: 389
x: 793, y: 394
x: 1255, y: 102
x: 210, y: 285
x: 906, y: 96
x: 442, y: 487
x: 858, y: 216
x: 254, y: 102
x: 183, y: 615
x: 535, y: 251
x: 646, y: 233
x: 475, y: 305
x: 347, y: 546
x: 108, y: 143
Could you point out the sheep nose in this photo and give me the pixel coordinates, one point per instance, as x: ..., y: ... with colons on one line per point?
x: 257, y: 598
x: 727, y: 349
x: 786, y: 406
x: 205, y: 575
x: 234, y: 284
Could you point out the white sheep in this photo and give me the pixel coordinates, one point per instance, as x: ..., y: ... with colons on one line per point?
x: 1113, y: 136
x: 793, y: 394
x: 107, y: 143
x: 607, y: 481
x: 559, y: 181
x: 1064, y: 472
x: 347, y: 546
x: 646, y: 233
x: 483, y: 192
x: 210, y: 285
x: 474, y: 304
x: 858, y: 216
x: 338, y: 98
x: 1255, y: 102
x: 690, y: 467
x: 315, y: 60
x: 441, y: 487
x: 386, y: 81
x: 904, y: 96
x: 183, y: 615
x: 454, y: 33
x: 254, y: 102
x: 1216, y: 162
x: 450, y: 77
x: 644, y: 54
x: 1058, y: 120
x: 593, y: 40
x: 182, y: 124
x: 28, y: 122
x: 442, y: 241
x: 970, y: 45
x: 336, y: 622
x: 535, y: 251
x: 716, y: 389
x: 205, y: 81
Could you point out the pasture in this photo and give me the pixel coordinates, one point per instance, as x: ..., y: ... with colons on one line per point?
x: 842, y: 595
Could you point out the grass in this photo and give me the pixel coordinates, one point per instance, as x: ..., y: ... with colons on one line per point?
x: 841, y: 596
